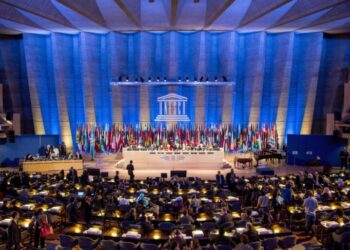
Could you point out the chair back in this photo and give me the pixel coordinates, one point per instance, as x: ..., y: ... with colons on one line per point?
x: 345, y: 238
x: 68, y: 241
x: 208, y: 226
x: 255, y: 245
x: 270, y: 244
x: 223, y: 247
x: 109, y: 245
x: 288, y: 242
x: 87, y: 243
x: 147, y: 246
x: 123, y: 245
x: 168, y: 226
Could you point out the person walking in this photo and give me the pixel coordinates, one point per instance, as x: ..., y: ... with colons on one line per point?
x: 310, y: 204
x: 130, y: 168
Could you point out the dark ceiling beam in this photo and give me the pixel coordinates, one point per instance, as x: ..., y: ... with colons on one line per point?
x: 174, y: 8
x: 12, y: 14
x: 127, y: 12
x: 246, y: 21
x: 336, y: 13
x: 91, y: 12
x: 306, y: 13
x: 344, y: 28
x: 218, y: 13
x: 61, y: 20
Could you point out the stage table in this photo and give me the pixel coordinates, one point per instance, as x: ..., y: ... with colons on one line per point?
x: 177, y: 160
x: 53, y: 166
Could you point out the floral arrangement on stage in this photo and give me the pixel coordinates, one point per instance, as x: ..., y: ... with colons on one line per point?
x: 113, y: 138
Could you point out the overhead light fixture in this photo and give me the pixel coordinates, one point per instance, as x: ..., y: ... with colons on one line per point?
x: 158, y: 79
x: 165, y: 79
x: 201, y: 79
x: 127, y: 79
x: 187, y: 80
x: 207, y: 79
x: 215, y: 79
x: 136, y: 79
x: 179, y: 79
x: 141, y: 79
x: 149, y: 79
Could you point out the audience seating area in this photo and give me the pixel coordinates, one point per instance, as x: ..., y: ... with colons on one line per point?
x: 180, y: 213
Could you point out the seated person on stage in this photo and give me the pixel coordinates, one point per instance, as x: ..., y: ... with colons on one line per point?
x: 29, y: 157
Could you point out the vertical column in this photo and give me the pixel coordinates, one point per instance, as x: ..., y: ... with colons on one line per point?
x: 183, y: 108
x: 160, y: 107
x: 165, y: 108
x: 175, y: 108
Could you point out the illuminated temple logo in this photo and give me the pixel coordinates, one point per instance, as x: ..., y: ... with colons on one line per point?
x: 172, y: 108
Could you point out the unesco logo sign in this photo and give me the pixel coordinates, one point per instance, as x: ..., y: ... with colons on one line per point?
x: 172, y: 108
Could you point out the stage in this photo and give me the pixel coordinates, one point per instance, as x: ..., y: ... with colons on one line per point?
x: 175, y: 160
x: 109, y: 163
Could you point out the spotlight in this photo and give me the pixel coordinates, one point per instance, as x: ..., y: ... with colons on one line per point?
x: 141, y: 79
x: 207, y: 79
x: 195, y: 79
x: 127, y: 79
x: 149, y: 79
x: 165, y: 79
x: 215, y: 79
x: 201, y: 79
x: 136, y: 79
x: 179, y: 79
x: 187, y: 80
x: 158, y: 79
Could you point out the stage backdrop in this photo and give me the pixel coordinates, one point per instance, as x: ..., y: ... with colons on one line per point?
x: 305, y: 148
x: 57, y: 81
x: 11, y: 153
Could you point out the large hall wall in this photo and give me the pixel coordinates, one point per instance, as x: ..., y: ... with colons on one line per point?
x: 289, y: 79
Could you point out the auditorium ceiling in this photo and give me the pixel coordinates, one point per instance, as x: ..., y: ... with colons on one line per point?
x: 101, y: 16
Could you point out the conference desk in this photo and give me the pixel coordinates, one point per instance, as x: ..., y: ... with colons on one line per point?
x: 179, y: 159
x: 52, y: 166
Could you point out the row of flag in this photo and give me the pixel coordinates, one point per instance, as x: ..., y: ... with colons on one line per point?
x: 113, y: 138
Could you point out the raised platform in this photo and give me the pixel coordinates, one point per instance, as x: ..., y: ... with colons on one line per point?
x: 174, y: 160
x: 53, y: 166
x: 265, y: 171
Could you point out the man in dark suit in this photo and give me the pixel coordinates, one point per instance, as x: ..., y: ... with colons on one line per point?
x: 130, y: 168
x: 14, y: 233
x: 72, y: 175
x: 230, y: 180
x: 220, y: 180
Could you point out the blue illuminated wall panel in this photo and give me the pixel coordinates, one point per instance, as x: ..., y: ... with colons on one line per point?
x: 57, y: 81
x: 39, y: 63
